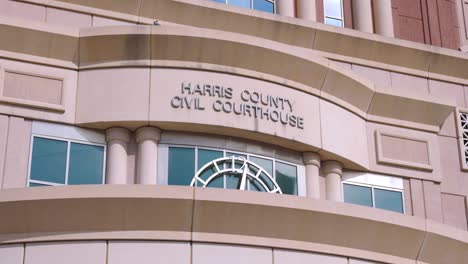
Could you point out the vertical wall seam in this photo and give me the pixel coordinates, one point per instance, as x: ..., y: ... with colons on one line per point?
x: 150, y: 70
x: 7, y: 137
x: 24, y: 253
x: 423, y: 242
x: 191, y: 225
x: 107, y: 251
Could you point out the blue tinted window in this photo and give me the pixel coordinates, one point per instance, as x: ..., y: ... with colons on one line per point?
x: 86, y: 164
x: 48, y: 161
x: 334, y: 22
x: 332, y: 8
x: 264, y: 5
x: 181, y: 166
x: 219, y: 1
x: 205, y: 156
x: 286, y: 177
x: 360, y: 195
x: 388, y: 200
x: 241, y: 3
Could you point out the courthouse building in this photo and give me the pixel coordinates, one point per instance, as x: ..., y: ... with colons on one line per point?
x: 233, y: 131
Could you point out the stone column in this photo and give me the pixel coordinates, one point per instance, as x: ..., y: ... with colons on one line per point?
x: 333, y: 171
x: 383, y: 18
x: 285, y: 7
x: 147, y: 139
x: 362, y: 15
x: 117, y: 140
x: 306, y: 9
x: 312, y: 166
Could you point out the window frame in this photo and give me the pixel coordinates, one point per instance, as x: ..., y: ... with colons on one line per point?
x: 67, y: 164
x: 163, y: 157
x: 252, y: 5
x: 342, y: 18
x: 374, y: 186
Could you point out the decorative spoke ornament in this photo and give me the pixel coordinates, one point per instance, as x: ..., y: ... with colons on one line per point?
x: 247, y: 173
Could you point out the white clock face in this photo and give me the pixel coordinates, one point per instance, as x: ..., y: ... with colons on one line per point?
x: 243, y: 175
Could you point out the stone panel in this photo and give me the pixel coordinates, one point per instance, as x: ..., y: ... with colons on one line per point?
x: 146, y: 252
x: 229, y: 254
x: 409, y: 85
x: 448, y: 91
x: 417, y: 196
x: 454, y: 208
x: 23, y: 10
x: 12, y: 254
x: 398, y: 149
x: 67, y: 18
x: 433, y: 201
x: 17, y: 153
x: 112, y: 95
x: 104, y: 22
x: 343, y: 133
x: 234, y: 106
x: 89, y: 252
x: 33, y: 88
x: 453, y: 179
x: 377, y: 76
x: 297, y: 257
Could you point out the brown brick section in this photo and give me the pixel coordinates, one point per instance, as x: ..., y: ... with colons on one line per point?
x: 431, y: 22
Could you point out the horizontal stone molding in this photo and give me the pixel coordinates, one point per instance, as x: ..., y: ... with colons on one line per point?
x: 137, y: 212
x: 331, y: 42
x: 146, y: 46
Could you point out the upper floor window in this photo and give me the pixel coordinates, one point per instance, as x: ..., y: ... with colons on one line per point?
x: 333, y: 12
x: 261, y: 5
x: 183, y: 162
x: 373, y: 190
x: 62, y: 155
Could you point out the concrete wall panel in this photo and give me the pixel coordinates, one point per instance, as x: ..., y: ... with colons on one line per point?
x: 453, y: 179
x: 146, y: 252
x: 17, y: 153
x: 12, y: 254
x: 23, y: 10
x: 296, y: 257
x: 417, y: 196
x: 51, y: 98
x: 113, y: 95
x: 454, y: 208
x: 407, y: 84
x: 67, y: 18
x: 344, y: 133
x: 89, y: 252
x: 377, y: 76
x: 229, y: 254
x: 245, y: 107
x: 104, y: 22
x: 433, y: 201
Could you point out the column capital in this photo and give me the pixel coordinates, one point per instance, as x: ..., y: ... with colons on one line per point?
x: 148, y: 133
x: 332, y: 166
x: 118, y: 133
x: 311, y: 158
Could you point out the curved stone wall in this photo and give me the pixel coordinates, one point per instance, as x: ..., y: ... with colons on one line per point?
x: 201, y: 215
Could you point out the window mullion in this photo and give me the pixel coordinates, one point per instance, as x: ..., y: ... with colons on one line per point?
x: 67, y: 162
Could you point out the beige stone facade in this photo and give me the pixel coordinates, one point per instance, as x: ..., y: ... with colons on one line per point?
x: 356, y: 106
